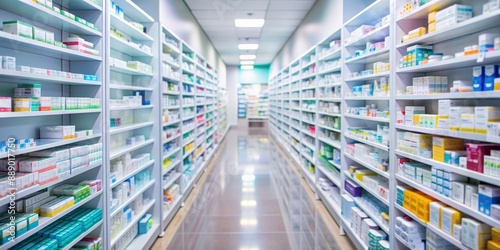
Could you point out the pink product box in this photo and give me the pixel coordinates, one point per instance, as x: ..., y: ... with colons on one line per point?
x: 5, y: 104
x: 379, y: 45
x: 476, y: 153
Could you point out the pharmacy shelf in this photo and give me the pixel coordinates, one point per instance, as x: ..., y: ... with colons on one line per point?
x: 171, y: 48
x: 330, y: 70
x: 329, y: 114
x: 126, y: 149
x: 191, y: 183
x: 129, y: 71
x: 332, y: 55
x: 171, y: 138
x: 133, y: 11
x: 174, y: 65
x: 463, y: 95
x: 173, y: 107
x: 367, y: 118
x: 473, y: 25
x: 125, y: 47
x: 367, y: 142
x: 188, y: 59
x: 330, y: 204
x: 30, y: 9
x: 169, y: 215
x: 171, y: 93
x: 171, y: 78
x: 370, y: 57
x: 376, y: 35
x: 334, y: 179
x: 361, y: 184
x: 309, y: 158
x: 170, y: 167
x: 447, y: 237
x: 451, y: 133
x: 188, y: 141
x: 455, y: 169
x: 452, y: 203
x: 188, y: 83
x: 133, y: 222
x: 188, y: 153
x: 79, y: 5
x: 125, y: 128
x: 346, y: 225
x: 127, y: 176
x: 413, y: 216
x: 43, y: 222
x: 129, y: 87
x: 422, y: 12
x: 14, y: 76
x: 83, y: 235
x: 123, y: 26
x: 368, y: 212
x: 367, y: 77
x: 402, y: 241
x: 43, y: 144
x: 368, y: 165
x: 309, y: 87
x: 143, y: 240
x: 174, y: 179
x: 455, y: 63
x: 166, y: 124
x: 329, y: 99
x: 331, y: 142
x: 19, y: 43
x: 367, y: 98
x: 47, y: 113
x: 132, y: 198
x: 131, y: 108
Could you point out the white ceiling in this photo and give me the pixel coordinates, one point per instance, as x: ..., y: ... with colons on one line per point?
x: 282, y: 17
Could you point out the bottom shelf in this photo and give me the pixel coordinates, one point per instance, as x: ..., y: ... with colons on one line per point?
x: 143, y: 241
x: 170, y: 214
x: 354, y: 237
x: 90, y: 230
x: 133, y: 223
x: 330, y: 204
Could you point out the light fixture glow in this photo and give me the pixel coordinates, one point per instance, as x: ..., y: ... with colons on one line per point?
x: 248, y: 190
x: 247, y: 67
x: 248, y: 46
x: 247, y: 62
x: 248, y: 222
x: 248, y: 57
x: 249, y: 23
x: 248, y: 177
x: 248, y: 203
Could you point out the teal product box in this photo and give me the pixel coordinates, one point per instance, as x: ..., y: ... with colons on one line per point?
x: 478, y: 78
x: 490, y: 73
x: 145, y: 223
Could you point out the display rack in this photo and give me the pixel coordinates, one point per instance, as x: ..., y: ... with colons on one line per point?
x: 374, y: 81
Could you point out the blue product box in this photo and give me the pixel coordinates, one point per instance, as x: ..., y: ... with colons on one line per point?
x: 87, y: 77
x: 93, y: 78
x: 490, y: 73
x: 145, y: 223
x: 478, y: 78
x: 487, y: 196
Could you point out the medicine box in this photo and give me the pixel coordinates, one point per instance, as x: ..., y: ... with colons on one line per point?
x: 483, y: 116
x: 18, y: 28
x: 57, y: 132
x: 5, y: 104
x: 456, y: 114
x: 475, y: 234
x: 476, y: 153
x: 449, y: 217
x: 441, y: 144
x: 478, y: 78
x: 487, y: 196
x: 145, y: 223
x: 490, y: 73
x: 39, y: 34
x: 458, y: 11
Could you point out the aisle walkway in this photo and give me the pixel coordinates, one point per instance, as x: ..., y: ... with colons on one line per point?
x: 241, y: 204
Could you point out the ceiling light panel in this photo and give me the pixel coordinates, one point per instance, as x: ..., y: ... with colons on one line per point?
x: 247, y: 62
x: 249, y: 23
x: 248, y: 46
x: 247, y: 67
x: 248, y: 57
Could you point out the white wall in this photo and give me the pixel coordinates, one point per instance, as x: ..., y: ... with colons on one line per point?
x: 324, y: 18
x: 232, y: 94
x: 176, y: 16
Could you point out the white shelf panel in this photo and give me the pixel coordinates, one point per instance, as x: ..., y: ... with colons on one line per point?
x: 188, y: 153
x: 133, y: 222
x: 329, y: 128
x: 126, y: 149
x: 131, y: 108
x: 47, y: 113
x: 127, y: 48
x: 367, y: 165
x: 369, y: 213
x: 329, y: 114
x: 124, y: 26
x: 30, y: 9
x: 373, y: 144
x: 171, y: 48
x: 171, y: 78
x: 330, y: 204
x: 368, y: 77
x: 407, y: 212
x: 330, y: 70
x: 129, y: 87
x: 460, y: 62
x: 330, y: 142
x: 367, y: 118
x: 126, y: 128
x: 447, y: 237
x: 352, y: 235
x: 46, y: 221
x: 174, y: 65
x: 370, y: 57
x: 19, y: 43
x: 83, y: 235
x: 171, y: 93
x: 174, y: 179
x: 465, y: 95
x: 134, y: 12
x: 127, y: 176
x: 423, y: 11
x: 142, y: 240
x: 475, y: 24
x: 367, y: 98
x: 166, y: 124
x: 372, y: 12
x: 79, y: 5
x: 172, y: 107
x: 170, y: 167
x: 376, y: 35
x: 188, y: 83
x: 170, y: 214
x: 451, y: 133
x: 361, y: 184
x: 308, y: 145
x: 334, y: 179
x: 129, y: 71
x: 334, y: 54
x: 19, y: 77
x: 171, y: 139
x: 327, y: 99
x: 43, y: 144
x: 452, y: 203
x: 132, y: 198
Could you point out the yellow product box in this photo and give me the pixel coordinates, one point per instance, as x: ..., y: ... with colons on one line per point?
x: 435, y: 213
x: 455, y: 115
x: 492, y: 245
x: 483, y: 116
x: 449, y: 217
x: 360, y: 173
x: 475, y: 234
x: 467, y: 123
x: 432, y: 17
x: 495, y: 235
x: 442, y: 122
x: 497, y: 84
x: 416, y: 120
x: 432, y: 27
x: 441, y: 144
x: 408, y: 198
x: 22, y: 104
x: 418, y: 32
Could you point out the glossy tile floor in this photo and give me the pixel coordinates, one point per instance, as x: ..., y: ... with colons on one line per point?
x: 243, y: 205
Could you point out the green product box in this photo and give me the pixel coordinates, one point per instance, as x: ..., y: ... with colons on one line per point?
x: 49, y: 37
x: 91, y: 25
x: 30, y: 86
x: 58, y: 44
x: 68, y: 15
x: 38, y: 34
x: 81, y: 20
x: 18, y: 28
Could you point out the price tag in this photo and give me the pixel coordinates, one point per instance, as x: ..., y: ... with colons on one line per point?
x: 480, y: 58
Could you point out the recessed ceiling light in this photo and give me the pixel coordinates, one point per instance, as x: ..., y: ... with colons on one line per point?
x: 247, y: 62
x: 248, y: 46
x: 249, y: 23
x: 247, y: 67
x: 248, y: 57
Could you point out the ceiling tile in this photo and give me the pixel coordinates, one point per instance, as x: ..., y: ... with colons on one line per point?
x: 290, y: 5
x: 286, y: 14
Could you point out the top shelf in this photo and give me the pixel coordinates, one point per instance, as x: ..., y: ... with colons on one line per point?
x: 78, y: 5
x: 30, y: 9
x: 133, y: 11
x: 371, y: 14
x: 123, y: 26
x: 423, y: 11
